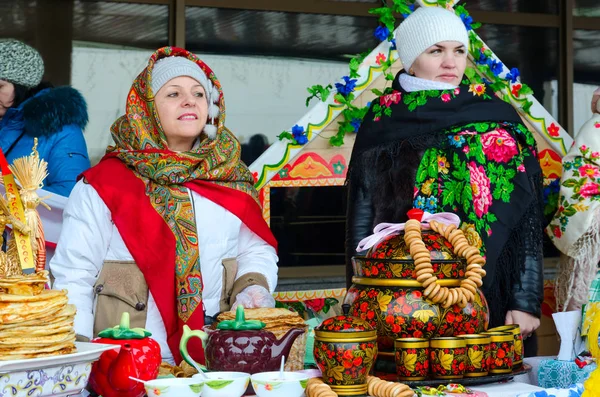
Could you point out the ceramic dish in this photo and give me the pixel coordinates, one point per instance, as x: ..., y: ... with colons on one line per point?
x: 55, y: 376
x: 174, y: 387
x: 224, y: 384
x: 269, y: 384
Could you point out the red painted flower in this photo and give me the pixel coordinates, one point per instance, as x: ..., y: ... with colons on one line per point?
x: 553, y: 130
x: 316, y: 304
x: 380, y: 58
x: 364, y: 307
x: 446, y: 97
x: 516, y: 88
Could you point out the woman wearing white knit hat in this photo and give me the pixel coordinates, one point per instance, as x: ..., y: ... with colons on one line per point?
x: 149, y: 228
x: 435, y: 143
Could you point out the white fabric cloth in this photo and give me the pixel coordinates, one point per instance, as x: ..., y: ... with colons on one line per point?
x: 425, y: 27
x: 411, y: 84
x: 89, y: 238
x: 575, y: 228
x: 510, y: 389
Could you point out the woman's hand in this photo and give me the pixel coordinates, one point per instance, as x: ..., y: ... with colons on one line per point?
x: 254, y: 296
x: 527, y: 322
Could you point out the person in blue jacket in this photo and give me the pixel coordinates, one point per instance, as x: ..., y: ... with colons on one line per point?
x: 30, y: 108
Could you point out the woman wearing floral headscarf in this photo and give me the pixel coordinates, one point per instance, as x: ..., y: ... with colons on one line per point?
x: 148, y: 229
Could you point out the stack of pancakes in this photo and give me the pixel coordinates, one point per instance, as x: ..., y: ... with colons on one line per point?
x: 34, y: 322
x: 278, y: 321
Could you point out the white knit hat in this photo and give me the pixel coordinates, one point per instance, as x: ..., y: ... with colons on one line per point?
x: 425, y: 27
x: 168, y: 68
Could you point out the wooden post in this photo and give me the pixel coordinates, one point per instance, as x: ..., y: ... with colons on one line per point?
x: 53, y: 38
x: 565, y: 81
x: 177, y: 23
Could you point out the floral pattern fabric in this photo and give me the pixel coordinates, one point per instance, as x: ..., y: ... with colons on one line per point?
x: 476, y: 169
x: 579, y: 189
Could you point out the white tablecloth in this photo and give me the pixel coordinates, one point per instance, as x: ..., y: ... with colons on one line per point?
x: 509, y: 389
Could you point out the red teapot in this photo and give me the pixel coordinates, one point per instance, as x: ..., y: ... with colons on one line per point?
x: 139, y: 356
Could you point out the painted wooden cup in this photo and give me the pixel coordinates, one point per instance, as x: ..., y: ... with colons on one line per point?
x: 515, y: 330
x: 478, y: 355
x: 412, y: 358
x: 447, y: 357
x: 502, y: 352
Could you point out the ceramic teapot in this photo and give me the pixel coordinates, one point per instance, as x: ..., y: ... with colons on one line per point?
x: 241, y: 345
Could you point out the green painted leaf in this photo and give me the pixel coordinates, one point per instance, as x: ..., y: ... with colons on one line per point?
x: 303, y: 383
x: 197, y: 388
x: 218, y: 384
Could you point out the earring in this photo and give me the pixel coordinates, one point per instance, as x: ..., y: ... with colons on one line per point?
x: 411, y: 72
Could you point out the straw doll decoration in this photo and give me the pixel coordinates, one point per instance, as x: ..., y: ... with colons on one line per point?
x: 9, y: 266
x: 30, y: 171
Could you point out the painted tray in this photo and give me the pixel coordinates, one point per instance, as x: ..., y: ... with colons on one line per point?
x: 492, y: 378
x: 56, y: 376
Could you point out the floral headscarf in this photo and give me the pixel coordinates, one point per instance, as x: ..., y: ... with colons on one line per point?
x: 140, y: 143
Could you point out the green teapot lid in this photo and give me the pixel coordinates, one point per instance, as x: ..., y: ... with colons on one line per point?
x: 240, y: 323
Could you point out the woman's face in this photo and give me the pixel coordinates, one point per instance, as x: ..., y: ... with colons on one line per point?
x: 445, y: 62
x: 183, y: 111
x: 7, y: 96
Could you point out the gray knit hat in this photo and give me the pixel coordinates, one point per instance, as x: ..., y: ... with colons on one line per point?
x: 425, y: 27
x: 20, y: 63
x: 168, y: 68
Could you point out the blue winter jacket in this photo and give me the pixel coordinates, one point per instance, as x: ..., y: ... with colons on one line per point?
x: 57, y: 117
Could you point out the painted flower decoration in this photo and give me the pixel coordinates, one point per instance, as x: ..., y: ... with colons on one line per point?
x: 347, y: 87
x: 380, y: 58
x: 477, y: 89
x: 411, y: 7
x: 299, y: 134
x: 446, y: 97
x: 338, y: 168
x: 513, y: 75
x: 495, y: 66
x: 382, y: 33
x: 597, y: 125
x: 553, y: 130
x: 355, y: 123
x: 516, y: 88
x: 467, y: 20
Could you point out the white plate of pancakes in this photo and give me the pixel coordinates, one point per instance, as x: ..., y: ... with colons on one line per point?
x: 85, y: 353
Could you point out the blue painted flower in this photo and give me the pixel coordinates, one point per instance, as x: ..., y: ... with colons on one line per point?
x: 299, y: 135
x: 347, y: 87
x: 302, y: 140
x: 393, y: 41
x: 456, y: 140
x: 420, y: 202
x: 495, y: 66
x: 412, y: 9
x: 431, y: 205
x: 467, y: 20
x: 513, y: 75
x: 355, y: 123
x: 381, y: 33
x: 482, y: 59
